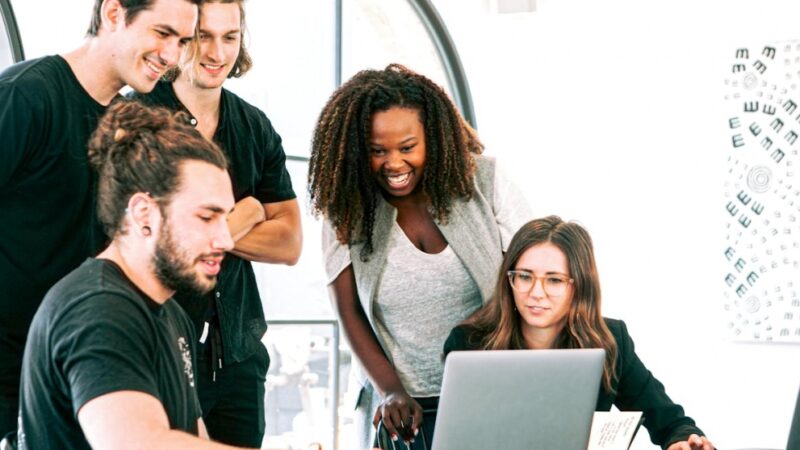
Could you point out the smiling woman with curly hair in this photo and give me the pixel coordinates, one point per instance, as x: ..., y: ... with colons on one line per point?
x: 416, y: 224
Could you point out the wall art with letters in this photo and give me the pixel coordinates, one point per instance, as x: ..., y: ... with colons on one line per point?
x: 761, y: 202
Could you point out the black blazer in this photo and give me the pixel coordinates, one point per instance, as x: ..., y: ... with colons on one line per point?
x: 635, y: 388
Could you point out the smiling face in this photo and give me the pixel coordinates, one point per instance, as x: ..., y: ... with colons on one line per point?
x: 144, y: 49
x: 220, y: 39
x: 194, y: 236
x: 543, y: 316
x: 397, y: 151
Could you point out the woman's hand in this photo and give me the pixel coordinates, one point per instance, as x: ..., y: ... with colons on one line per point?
x: 694, y: 442
x: 401, y: 415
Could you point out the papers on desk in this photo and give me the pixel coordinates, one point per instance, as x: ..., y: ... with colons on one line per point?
x: 614, y: 430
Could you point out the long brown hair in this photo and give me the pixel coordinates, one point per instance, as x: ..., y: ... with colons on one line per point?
x: 497, y: 325
x: 341, y: 186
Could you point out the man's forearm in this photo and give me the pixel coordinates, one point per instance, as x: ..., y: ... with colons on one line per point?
x: 247, y: 213
x: 278, y: 239
x: 175, y: 439
x: 271, y: 241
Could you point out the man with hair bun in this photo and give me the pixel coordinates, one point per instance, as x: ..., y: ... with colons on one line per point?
x: 48, y: 109
x: 109, y: 358
x: 232, y: 361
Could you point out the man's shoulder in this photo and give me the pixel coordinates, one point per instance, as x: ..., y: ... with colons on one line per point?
x: 95, y: 282
x: 161, y: 95
x: 239, y: 108
x: 34, y: 78
x: 34, y: 70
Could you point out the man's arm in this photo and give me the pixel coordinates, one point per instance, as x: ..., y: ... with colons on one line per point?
x: 202, y: 431
x: 276, y: 239
x: 247, y: 213
x: 133, y: 420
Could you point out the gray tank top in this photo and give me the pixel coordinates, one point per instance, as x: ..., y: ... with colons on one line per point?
x: 420, y: 298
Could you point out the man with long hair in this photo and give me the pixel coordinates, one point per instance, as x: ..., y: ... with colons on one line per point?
x: 232, y: 361
x: 48, y: 109
x: 109, y: 358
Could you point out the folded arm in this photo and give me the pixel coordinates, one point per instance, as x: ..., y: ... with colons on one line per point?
x: 269, y: 232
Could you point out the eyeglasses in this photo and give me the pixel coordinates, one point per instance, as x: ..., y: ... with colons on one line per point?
x: 554, y: 285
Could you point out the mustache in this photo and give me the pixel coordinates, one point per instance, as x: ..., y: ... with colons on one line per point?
x: 212, y: 255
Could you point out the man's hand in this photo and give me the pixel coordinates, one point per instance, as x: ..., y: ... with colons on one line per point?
x: 247, y: 213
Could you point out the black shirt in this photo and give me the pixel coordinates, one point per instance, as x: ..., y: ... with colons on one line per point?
x: 96, y: 333
x: 48, y: 224
x: 635, y: 387
x: 257, y: 165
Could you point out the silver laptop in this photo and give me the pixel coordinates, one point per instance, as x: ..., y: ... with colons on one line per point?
x: 518, y: 399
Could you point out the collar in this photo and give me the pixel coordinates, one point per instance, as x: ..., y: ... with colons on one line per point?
x: 166, y: 91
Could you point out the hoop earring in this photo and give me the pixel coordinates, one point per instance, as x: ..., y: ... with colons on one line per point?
x: 146, y: 231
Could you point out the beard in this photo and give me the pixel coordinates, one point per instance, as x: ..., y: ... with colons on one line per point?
x: 174, y: 268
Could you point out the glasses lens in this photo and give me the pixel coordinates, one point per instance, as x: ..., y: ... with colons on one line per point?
x: 555, y: 285
x: 520, y: 281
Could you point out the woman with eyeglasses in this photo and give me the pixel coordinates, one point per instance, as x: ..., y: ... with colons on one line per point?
x: 547, y: 296
x: 416, y: 223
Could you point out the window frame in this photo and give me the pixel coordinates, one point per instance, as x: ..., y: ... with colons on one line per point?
x: 12, y: 30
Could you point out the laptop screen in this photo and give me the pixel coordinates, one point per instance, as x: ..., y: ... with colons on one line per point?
x: 518, y: 399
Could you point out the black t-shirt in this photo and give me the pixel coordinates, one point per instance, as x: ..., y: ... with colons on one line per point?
x: 48, y: 224
x: 257, y: 165
x: 95, y: 334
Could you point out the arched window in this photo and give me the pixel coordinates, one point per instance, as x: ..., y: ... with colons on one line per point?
x: 10, y: 44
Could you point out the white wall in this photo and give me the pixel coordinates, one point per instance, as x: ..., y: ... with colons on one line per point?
x: 610, y: 112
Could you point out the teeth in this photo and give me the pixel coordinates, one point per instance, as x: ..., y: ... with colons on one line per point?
x: 399, y: 179
x: 152, y: 67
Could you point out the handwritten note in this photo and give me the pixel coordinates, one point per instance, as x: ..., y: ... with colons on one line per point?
x: 614, y: 430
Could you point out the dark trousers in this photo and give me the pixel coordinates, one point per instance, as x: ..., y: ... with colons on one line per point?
x: 232, y: 398
x: 429, y: 407
x: 9, y: 410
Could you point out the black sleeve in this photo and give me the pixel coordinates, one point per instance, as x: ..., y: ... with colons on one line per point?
x: 639, y: 390
x: 456, y: 341
x: 106, y: 354
x: 19, y: 116
x: 275, y: 185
